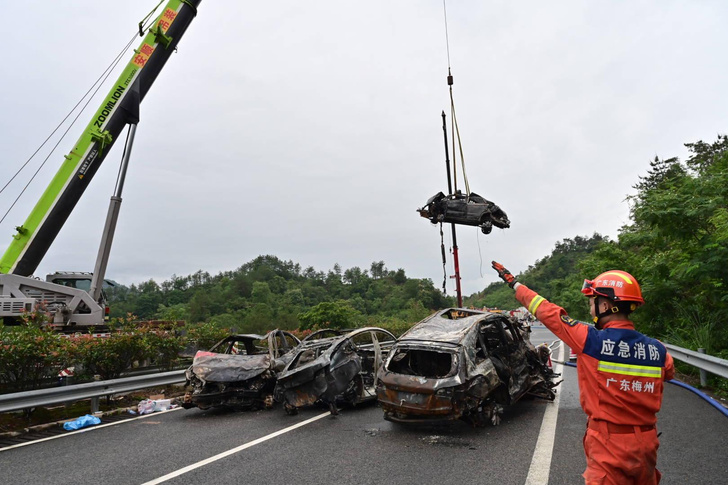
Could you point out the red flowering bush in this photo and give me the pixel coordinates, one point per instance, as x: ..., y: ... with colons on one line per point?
x: 29, y: 356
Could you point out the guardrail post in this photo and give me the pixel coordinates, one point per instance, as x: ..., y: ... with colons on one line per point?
x: 66, y: 381
x: 703, y: 374
x: 95, y: 400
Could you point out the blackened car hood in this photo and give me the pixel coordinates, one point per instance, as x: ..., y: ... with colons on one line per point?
x: 212, y: 367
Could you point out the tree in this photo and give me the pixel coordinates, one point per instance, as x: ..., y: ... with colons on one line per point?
x: 268, y: 292
x: 261, y: 293
x: 378, y: 270
x: 676, y: 244
x: 354, y: 276
x: 258, y: 320
x: 329, y: 314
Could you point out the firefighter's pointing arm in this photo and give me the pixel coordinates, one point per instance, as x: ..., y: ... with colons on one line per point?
x: 553, y: 316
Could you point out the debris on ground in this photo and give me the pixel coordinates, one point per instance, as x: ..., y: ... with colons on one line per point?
x: 149, y: 406
x: 82, y: 422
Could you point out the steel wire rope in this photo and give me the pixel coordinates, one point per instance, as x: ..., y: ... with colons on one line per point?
x: 455, y: 129
x: 480, y: 253
x: 142, y: 27
x: 444, y: 260
x: 95, y: 88
x: 59, y: 125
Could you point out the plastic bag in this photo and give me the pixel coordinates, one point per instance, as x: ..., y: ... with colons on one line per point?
x: 148, y: 406
x: 81, y: 422
x: 162, y: 404
x: 145, y: 406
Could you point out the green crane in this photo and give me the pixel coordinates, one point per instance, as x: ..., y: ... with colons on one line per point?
x: 32, y: 239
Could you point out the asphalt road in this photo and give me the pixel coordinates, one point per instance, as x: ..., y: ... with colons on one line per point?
x: 359, y: 447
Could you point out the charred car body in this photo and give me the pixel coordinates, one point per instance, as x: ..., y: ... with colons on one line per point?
x: 470, y: 210
x: 464, y: 364
x: 239, y: 371
x: 337, y: 369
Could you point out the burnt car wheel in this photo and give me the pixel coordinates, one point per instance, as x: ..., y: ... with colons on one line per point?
x: 486, y: 225
x: 354, y: 391
x: 290, y: 409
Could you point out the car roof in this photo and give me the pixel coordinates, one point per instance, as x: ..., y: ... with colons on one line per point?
x: 328, y: 341
x: 254, y: 336
x: 317, y: 334
x: 245, y: 336
x: 442, y: 327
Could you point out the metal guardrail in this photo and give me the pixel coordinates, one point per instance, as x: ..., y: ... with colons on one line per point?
x: 44, y: 397
x: 714, y: 365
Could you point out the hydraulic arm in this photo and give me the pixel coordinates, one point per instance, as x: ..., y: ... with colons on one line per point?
x: 119, y: 108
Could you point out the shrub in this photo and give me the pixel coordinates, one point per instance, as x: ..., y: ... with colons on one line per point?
x: 205, y: 335
x: 30, y: 355
x: 109, y: 357
x: 163, y: 347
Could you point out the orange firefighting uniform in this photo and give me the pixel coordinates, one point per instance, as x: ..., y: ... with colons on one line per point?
x: 621, y: 374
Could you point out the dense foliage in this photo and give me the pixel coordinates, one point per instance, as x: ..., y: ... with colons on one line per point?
x: 32, y: 354
x: 268, y: 293
x: 676, y: 244
x: 556, y: 277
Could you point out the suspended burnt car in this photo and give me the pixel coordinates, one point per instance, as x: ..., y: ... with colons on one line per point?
x: 336, y: 369
x: 239, y: 371
x: 470, y: 210
x: 462, y: 364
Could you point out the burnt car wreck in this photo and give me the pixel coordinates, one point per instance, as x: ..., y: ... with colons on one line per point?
x: 239, y: 371
x: 339, y: 369
x: 462, y: 364
x: 470, y: 210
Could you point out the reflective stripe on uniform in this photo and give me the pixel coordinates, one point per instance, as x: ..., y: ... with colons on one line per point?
x: 533, y: 306
x: 630, y: 370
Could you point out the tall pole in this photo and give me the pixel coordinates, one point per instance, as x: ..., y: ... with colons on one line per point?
x: 454, y: 235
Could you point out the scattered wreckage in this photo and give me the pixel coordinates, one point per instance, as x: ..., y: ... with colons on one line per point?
x: 239, y: 371
x: 462, y: 364
x: 470, y: 210
x: 334, y: 369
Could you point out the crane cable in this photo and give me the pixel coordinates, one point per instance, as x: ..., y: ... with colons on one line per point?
x: 455, y: 128
x: 95, y: 88
x: 456, y: 131
x: 142, y: 27
x: 444, y: 260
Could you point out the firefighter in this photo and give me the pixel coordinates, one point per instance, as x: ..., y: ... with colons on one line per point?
x: 620, y: 372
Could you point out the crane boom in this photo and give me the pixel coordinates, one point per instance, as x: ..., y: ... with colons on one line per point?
x: 119, y: 108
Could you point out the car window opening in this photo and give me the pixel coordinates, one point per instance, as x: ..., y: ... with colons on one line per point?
x: 424, y: 363
x: 307, y: 356
x: 456, y: 314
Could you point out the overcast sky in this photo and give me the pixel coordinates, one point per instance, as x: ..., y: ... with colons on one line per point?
x: 312, y: 130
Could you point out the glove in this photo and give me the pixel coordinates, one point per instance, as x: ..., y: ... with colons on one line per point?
x: 504, y: 273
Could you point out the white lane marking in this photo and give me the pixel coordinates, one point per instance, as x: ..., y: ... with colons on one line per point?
x: 538, y: 473
x: 87, y: 429
x: 219, y: 456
